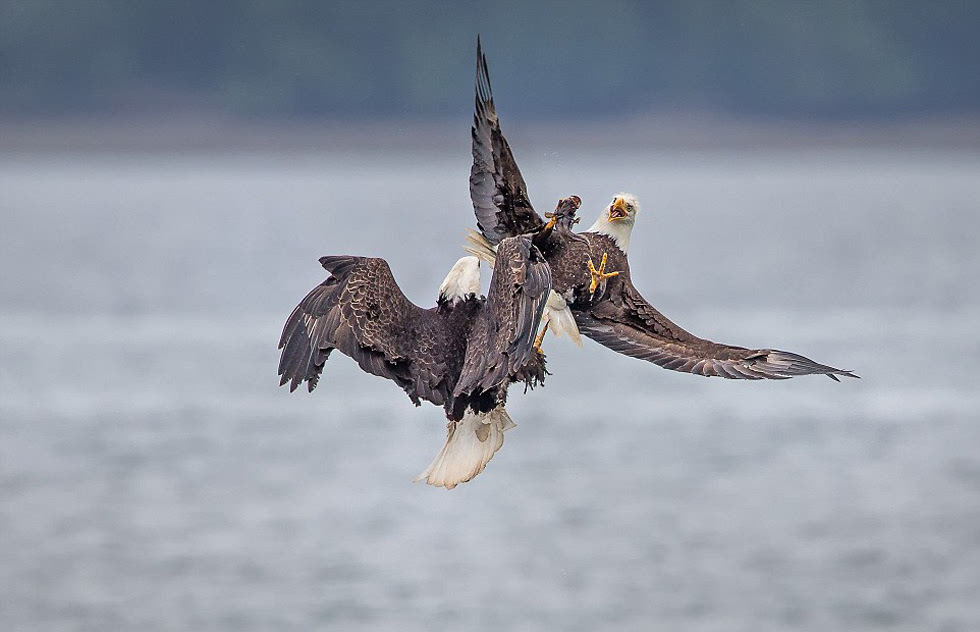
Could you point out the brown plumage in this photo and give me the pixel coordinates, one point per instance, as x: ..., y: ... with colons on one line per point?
x: 615, y: 314
x: 461, y: 354
x: 497, y: 188
x: 621, y: 319
x: 458, y: 354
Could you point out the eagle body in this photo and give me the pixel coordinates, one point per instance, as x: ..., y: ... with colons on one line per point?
x: 461, y: 354
x: 568, y: 256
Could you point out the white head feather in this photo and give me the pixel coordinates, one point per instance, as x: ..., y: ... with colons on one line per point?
x: 617, y: 219
x: 463, y: 280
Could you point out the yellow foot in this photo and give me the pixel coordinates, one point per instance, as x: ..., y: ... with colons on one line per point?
x: 600, y: 275
x: 540, y: 338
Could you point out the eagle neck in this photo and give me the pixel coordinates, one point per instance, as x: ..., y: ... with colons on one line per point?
x: 619, y: 231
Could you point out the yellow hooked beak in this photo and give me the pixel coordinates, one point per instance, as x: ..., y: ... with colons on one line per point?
x: 618, y: 210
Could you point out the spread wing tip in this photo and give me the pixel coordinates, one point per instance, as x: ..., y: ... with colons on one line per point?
x: 484, y: 93
x: 785, y: 363
x: 339, y: 265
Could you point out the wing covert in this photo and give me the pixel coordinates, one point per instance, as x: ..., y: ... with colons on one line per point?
x: 361, y: 311
x: 631, y: 326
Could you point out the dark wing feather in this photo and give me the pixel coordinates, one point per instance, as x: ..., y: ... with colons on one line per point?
x: 497, y: 188
x: 631, y: 326
x: 361, y: 311
x: 501, y: 342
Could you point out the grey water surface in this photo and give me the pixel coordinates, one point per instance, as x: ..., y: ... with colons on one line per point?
x: 153, y: 476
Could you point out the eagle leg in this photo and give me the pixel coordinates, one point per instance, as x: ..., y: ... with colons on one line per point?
x: 540, y: 338
x: 599, y: 275
x: 541, y: 237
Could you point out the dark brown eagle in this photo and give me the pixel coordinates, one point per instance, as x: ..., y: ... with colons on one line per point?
x: 461, y: 354
x: 597, y: 300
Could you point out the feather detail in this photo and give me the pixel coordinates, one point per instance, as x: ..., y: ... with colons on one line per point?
x: 560, y: 319
x: 480, y: 247
x: 497, y: 189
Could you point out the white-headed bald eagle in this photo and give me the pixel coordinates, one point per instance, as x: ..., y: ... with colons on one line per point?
x: 597, y: 300
x: 461, y: 354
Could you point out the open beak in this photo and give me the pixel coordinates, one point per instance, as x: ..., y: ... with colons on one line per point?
x: 618, y: 210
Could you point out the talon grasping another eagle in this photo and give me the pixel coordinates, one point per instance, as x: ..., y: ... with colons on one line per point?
x: 602, y: 304
x: 461, y: 354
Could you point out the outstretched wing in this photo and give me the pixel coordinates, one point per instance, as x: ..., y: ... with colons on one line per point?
x: 497, y: 188
x: 361, y: 311
x: 502, y: 341
x: 631, y: 326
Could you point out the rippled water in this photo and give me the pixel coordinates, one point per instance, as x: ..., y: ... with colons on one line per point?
x: 154, y: 477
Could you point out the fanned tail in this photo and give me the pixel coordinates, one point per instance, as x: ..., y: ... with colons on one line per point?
x: 470, y: 444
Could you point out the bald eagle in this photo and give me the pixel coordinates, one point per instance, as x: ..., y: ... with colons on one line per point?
x: 597, y: 299
x: 461, y: 354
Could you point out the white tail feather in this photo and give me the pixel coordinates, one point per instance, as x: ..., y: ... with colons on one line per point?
x: 478, y: 246
x: 560, y: 319
x: 470, y: 444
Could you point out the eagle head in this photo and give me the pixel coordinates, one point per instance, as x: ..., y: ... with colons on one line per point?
x: 617, y: 219
x: 623, y: 208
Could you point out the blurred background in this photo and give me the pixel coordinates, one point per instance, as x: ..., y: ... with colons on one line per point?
x: 170, y: 173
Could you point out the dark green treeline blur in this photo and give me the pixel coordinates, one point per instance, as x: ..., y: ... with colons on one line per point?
x: 573, y: 59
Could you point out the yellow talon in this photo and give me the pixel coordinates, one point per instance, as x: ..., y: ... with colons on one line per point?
x: 599, y: 275
x: 551, y: 222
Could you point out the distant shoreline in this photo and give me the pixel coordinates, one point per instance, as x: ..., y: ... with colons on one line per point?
x: 662, y: 132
